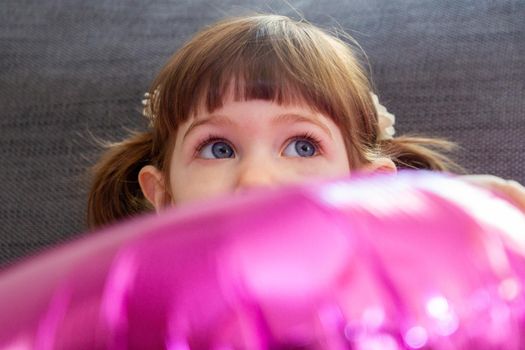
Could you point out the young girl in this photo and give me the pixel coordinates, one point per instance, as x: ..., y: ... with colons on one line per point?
x: 256, y: 101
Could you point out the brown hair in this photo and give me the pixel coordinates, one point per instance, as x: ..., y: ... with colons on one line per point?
x: 265, y: 57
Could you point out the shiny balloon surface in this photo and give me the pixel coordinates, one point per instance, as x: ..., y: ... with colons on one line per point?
x: 413, y: 261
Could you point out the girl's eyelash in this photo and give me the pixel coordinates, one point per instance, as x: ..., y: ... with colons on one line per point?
x: 311, y: 138
x: 207, y: 140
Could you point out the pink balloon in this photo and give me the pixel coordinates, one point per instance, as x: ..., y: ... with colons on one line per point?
x: 413, y: 261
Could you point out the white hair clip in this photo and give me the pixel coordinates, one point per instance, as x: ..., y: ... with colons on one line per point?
x: 386, y: 119
x: 146, y: 104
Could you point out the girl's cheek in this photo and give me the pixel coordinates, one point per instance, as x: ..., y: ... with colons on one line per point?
x: 336, y: 166
x: 315, y: 167
x: 209, y: 173
x: 199, y: 182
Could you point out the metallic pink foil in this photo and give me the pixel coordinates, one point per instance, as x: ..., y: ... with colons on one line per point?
x: 413, y: 261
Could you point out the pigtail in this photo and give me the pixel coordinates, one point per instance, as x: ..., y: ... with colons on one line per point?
x: 414, y: 152
x: 115, y: 192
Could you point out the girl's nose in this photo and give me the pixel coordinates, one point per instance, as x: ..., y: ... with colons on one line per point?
x: 259, y: 173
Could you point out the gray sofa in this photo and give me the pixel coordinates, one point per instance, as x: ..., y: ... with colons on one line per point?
x: 74, y: 70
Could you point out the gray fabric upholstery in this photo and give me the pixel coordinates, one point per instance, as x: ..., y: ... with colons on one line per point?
x: 73, y: 69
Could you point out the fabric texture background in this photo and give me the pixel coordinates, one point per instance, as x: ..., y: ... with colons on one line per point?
x: 74, y: 70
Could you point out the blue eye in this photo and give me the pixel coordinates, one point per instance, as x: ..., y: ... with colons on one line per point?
x: 301, y: 147
x: 216, y: 150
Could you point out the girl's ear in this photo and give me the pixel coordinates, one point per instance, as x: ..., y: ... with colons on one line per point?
x: 151, y: 183
x: 380, y: 165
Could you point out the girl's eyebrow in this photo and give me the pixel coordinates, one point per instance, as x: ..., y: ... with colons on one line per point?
x: 217, y: 119
x: 214, y: 119
x: 294, y: 117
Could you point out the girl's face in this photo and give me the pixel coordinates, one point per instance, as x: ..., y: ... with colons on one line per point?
x: 253, y: 143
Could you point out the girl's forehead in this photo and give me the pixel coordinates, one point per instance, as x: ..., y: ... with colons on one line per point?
x: 260, y: 114
x: 257, y: 114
